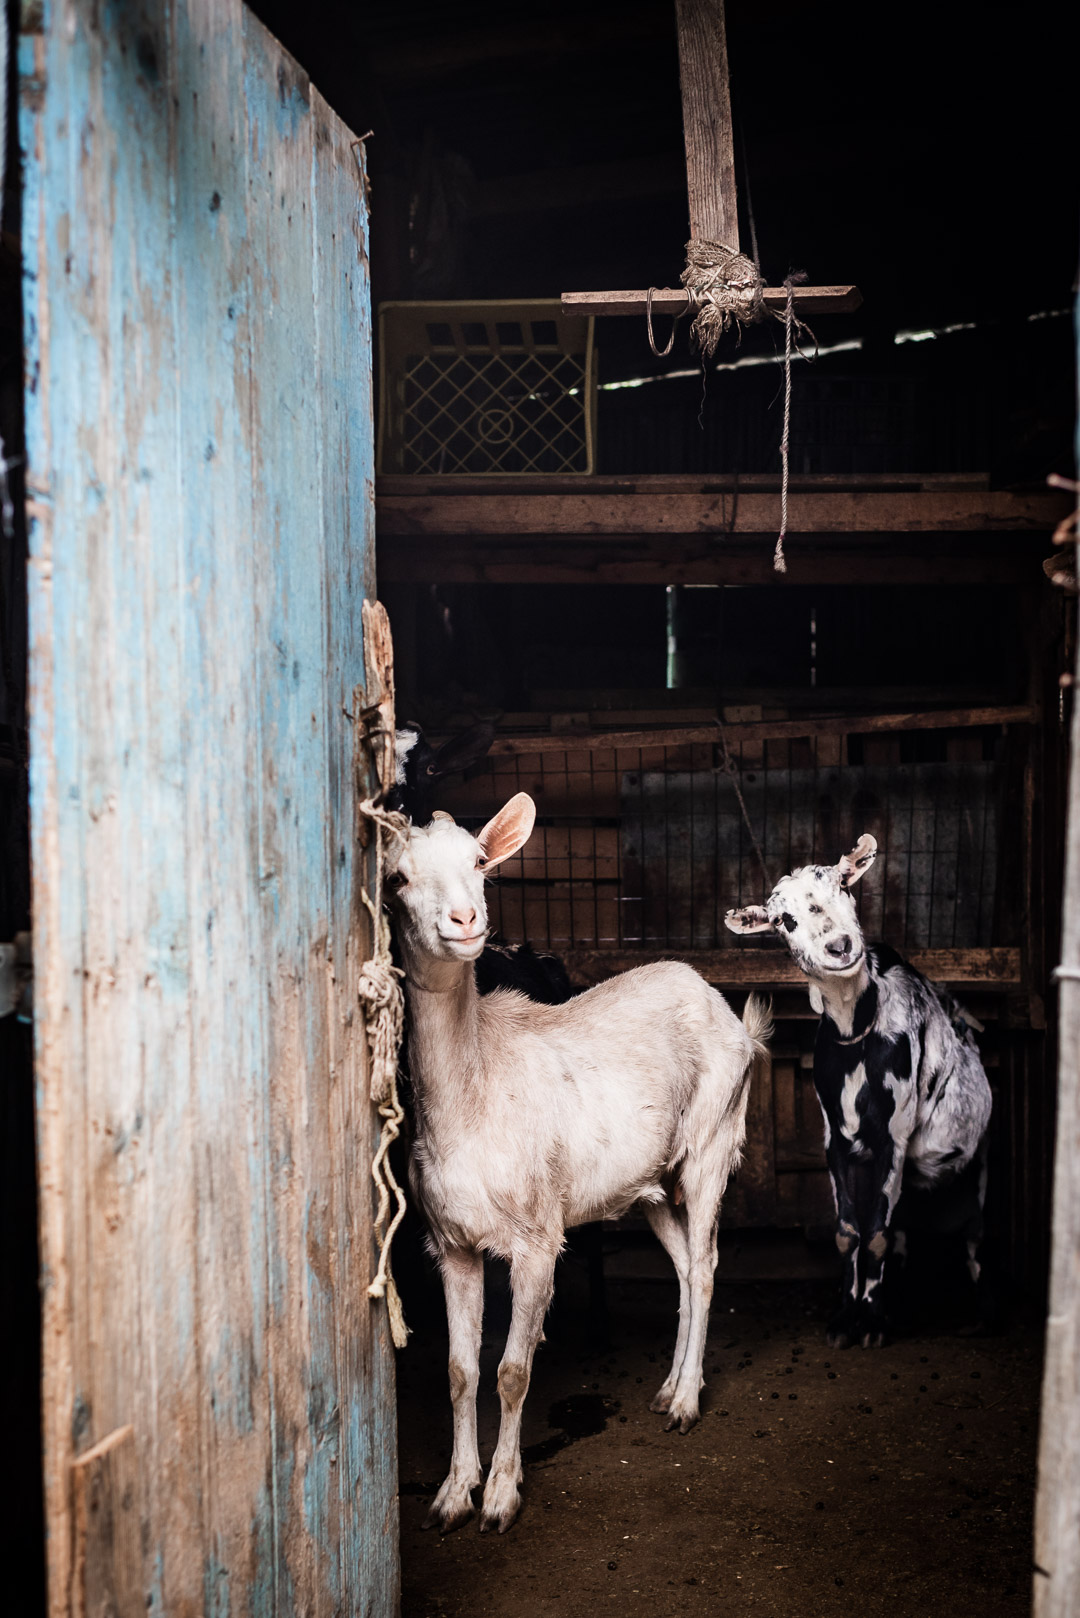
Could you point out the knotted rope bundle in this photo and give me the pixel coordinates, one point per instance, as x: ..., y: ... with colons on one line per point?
x: 383, y: 1004
x: 724, y: 289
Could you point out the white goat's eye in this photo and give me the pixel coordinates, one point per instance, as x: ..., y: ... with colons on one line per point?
x: 396, y: 881
x: 480, y: 862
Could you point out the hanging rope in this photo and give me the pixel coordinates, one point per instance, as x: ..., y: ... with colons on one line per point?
x: 792, y: 325
x: 383, y: 1004
x: 779, y: 560
x: 725, y: 289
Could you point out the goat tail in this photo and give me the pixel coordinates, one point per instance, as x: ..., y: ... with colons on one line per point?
x: 758, y: 1023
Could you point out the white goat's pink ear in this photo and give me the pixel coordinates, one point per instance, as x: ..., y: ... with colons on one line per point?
x: 507, y: 831
x: 856, y: 864
x: 750, y: 919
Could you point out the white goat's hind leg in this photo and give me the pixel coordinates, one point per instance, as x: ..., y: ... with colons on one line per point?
x: 683, y: 1409
x: 532, y: 1277
x: 463, y: 1283
x: 670, y: 1230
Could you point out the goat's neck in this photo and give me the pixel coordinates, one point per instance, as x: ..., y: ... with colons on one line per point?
x: 840, y: 996
x: 444, y: 1035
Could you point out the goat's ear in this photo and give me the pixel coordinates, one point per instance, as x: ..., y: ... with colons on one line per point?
x: 817, y: 999
x: 856, y: 864
x: 750, y: 919
x: 507, y: 831
x: 462, y: 750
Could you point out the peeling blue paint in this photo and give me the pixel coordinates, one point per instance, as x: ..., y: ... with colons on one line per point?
x: 199, y: 424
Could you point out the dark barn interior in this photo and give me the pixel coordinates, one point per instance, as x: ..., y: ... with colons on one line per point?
x: 692, y: 725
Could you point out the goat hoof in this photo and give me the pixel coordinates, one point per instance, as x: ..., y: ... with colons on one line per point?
x: 447, y: 1523
x: 873, y: 1339
x: 502, y: 1502
x: 683, y: 1422
x: 501, y: 1522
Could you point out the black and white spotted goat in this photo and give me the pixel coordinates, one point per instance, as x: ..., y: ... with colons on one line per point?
x: 897, y: 1072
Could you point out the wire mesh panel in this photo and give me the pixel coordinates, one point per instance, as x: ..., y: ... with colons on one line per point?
x: 649, y: 846
x: 485, y: 388
x: 684, y: 847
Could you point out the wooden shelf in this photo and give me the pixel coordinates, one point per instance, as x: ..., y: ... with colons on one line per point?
x: 772, y: 968
x: 663, y: 507
x: 676, y: 530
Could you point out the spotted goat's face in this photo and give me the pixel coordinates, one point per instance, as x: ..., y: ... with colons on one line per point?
x: 814, y: 913
x: 435, y: 884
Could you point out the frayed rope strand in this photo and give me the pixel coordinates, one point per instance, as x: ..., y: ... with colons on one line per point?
x: 791, y: 322
x: 380, y: 994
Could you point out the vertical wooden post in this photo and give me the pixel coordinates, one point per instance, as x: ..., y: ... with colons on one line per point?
x: 706, y: 99
x: 1057, y: 1510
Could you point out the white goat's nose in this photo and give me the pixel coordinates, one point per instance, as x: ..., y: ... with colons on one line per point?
x: 463, y: 917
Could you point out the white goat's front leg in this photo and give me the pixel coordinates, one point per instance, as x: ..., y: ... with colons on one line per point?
x: 669, y: 1228
x: 532, y: 1278
x: 463, y: 1284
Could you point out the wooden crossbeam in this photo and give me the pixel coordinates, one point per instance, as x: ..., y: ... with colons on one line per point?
x: 712, y: 194
x: 672, y: 301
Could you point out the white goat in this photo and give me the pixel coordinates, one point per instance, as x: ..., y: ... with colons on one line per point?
x: 532, y: 1118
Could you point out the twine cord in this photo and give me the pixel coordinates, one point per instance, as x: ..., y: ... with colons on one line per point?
x: 383, y: 1003
x: 779, y: 560
x: 794, y: 328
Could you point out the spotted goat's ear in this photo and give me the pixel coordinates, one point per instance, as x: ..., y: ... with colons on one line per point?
x: 856, y: 864
x: 750, y: 919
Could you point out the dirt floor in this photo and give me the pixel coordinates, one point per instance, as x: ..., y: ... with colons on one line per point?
x: 817, y: 1482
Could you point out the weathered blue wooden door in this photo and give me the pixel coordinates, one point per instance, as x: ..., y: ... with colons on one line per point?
x: 219, y: 1431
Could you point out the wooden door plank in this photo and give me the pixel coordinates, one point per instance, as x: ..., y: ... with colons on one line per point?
x: 294, y: 852
x: 362, y: 1439
x: 228, y: 1060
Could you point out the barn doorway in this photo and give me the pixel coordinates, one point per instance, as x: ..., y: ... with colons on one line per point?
x: 583, y: 559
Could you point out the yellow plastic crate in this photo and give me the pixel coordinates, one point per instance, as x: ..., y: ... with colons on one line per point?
x: 491, y: 388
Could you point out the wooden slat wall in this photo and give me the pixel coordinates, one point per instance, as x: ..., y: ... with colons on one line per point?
x: 200, y: 462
